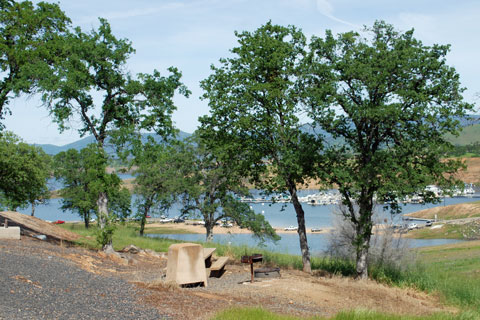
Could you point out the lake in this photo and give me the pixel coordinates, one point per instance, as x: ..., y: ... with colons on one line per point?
x: 289, y: 243
x: 279, y: 215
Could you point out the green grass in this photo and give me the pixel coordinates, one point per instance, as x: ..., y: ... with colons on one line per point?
x: 452, y: 270
x: 262, y: 314
x: 125, y: 234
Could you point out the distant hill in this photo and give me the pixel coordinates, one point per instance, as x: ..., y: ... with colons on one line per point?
x: 470, y: 134
x: 82, y: 143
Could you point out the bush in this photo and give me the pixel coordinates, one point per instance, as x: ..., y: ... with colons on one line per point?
x: 389, y: 253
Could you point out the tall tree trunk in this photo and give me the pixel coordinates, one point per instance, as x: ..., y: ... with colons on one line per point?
x: 33, y: 209
x: 302, y: 232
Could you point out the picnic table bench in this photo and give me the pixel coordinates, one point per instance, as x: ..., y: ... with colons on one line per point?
x: 217, y: 268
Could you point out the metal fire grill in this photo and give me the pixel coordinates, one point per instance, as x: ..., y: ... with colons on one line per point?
x: 267, y: 273
x: 251, y: 260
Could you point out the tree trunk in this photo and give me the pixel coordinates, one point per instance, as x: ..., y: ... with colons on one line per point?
x: 102, y: 204
x: 209, y: 228
x: 361, y: 262
x: 143, y: 220
x: 86, y: 220
x: 302, y: 232
x: 33, y: 209
x: 364, y: 233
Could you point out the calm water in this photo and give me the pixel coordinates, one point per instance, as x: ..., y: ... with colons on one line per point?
x: 289, y: 243
x: 279, y: 215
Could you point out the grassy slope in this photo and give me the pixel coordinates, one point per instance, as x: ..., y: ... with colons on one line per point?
x: 453, y: 270
x: 467, y: 231
x: 468, y: 135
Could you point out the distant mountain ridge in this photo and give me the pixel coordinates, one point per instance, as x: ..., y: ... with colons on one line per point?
x: 82, y: 143
x: 470, y: 134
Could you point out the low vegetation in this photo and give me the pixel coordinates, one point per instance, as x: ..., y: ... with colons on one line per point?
x: 125, y: 234
x: 258, y: 313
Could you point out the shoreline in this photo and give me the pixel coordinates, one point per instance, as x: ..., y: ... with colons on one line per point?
x: 221, y: 230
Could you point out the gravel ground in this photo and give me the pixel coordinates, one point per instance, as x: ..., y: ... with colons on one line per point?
x: 38, y: 286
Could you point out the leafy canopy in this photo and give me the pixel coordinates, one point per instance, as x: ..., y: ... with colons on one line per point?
x: 392, y: 100
x: 97, y: 66
x: 31, y: 46
x: 255, y: 108
x: 83, y: 176
x: 24, y: 171
x: 156, y: 178
x: 210, y: 186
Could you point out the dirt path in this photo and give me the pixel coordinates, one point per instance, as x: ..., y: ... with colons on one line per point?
x: 294, y: 293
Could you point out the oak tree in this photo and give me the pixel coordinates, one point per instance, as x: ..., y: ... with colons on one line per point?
x: 97, y: 67
x: 31, y: 46
x: 83, y: 176
x: 208, y: 186
x: 156, y: 178
x: 392, y: 100
x: 255, y: 108
x: 24, y: 172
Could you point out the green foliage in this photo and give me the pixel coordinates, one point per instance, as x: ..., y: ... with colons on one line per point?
x: 97, y: 64
x: 84, y: 177
x: 104, y: 236
x: 156, y: 178
x: 209, y: 188
x: 120, y: 204
x: 255, y: 101
x: 24, y: 171
x: 392, y: 99
x: 31, y: 42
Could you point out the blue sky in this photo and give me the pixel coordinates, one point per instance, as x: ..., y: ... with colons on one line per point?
x: 191, y: 35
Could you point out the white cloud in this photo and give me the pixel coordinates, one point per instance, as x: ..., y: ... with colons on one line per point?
x: 132, y: 13
x: 327, y: 9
